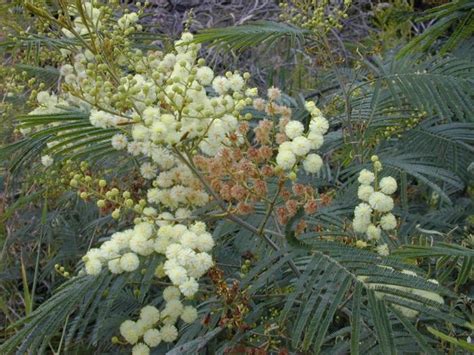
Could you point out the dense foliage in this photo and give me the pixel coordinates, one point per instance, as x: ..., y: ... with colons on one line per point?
x: 293, y: 178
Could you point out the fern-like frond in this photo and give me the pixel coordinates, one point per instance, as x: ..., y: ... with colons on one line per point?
x: 330, y: 273
x: 456, y: 15
x: 458, y: 255
x: 68, y: 134
x: 250, y: 35
x: 46, y: 321
x: 443, y: 87
x: 452, y: 143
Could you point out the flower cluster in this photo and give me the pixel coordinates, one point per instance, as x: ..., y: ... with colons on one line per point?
x: 155, y: 326
x: 177, y: 188
x: 186, y: 251
x: 47, y: 104
x: 176, y: 117
x: 373, y: 215
x: 298, y: 148
x: 79, y: 26
x: 244, y: 174
x: 166, y: 101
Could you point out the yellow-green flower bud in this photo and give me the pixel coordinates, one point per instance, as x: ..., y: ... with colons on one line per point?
x: 116, y: 214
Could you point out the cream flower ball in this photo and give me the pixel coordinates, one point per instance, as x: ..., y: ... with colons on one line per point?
x: 189, y: 287
x: 173, y: 250
x: 388, y: 222
x: 144, y: 228
x: 273, y: 93
x: 169, y: 333
x: 140, y: 245
x: 93, y: 266
x: 364, y: 192
x: 363, y: 211
x: 373, y: 232
x: 204, y: 75
x: 148, y: 170
x: 140, y: 349
x: 129, y: 262
x: 129, y: 331
x: 366, y: 177
x: 114, y: 266
x: 301, y: 146
x: 319, y: 125
x: 152, y: 337
x: 171, y: 293
x: 119, y: 141
x: 173, y: 309
x: 206, y: 242
x: 220, y: 85
x: 198, y: 227
x: 316, y: 140
x: 381, y: 202
x: 177, y: 275
x: 286, y: 159
x: 312, y: 163
x: 236, y: 82
x: 388, y: 185
x: 294, y: 129
x: 383, y: 250
x: 150, y: 315
x: 189, y: 314
x: 360, y: 225
x: 190, y: 240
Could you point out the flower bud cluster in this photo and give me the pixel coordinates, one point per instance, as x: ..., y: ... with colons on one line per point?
x: 154, y: 326
x: 110, y: 199
x: 315, y: 16
x: 373, y: 215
